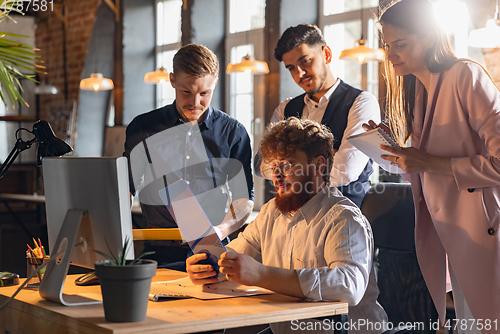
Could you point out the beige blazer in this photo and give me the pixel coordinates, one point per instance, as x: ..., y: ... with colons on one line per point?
x: 459, y: 215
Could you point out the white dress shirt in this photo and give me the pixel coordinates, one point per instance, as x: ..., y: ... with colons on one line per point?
x: 330, y: 245
x: 348, y: 162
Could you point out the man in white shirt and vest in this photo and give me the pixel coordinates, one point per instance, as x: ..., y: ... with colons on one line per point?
x: 330, y: 101
x: 309, y: 241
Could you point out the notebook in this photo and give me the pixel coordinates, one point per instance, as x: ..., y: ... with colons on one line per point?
x: 193, y: 223
x: 184, y: 288
x: 369, y: 143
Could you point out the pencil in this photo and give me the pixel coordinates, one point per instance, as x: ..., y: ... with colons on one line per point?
x: 42, y: 252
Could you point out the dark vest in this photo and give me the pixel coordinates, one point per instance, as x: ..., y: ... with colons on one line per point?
x: 335, y: 118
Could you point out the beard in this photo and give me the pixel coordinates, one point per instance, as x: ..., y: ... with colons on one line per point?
x: 322, y: 78
x: 294, y: 200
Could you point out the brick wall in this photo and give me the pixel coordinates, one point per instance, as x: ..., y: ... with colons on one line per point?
x: 49, y: 38
x: 492, y: 59
x: 491, y: 56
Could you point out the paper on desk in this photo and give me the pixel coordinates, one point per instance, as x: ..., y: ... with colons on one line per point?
x: 184, y: 288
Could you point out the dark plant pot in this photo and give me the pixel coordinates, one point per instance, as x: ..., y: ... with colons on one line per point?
x: 125, y: 289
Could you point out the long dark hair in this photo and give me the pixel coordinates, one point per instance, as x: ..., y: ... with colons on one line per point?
x: 415, y: 17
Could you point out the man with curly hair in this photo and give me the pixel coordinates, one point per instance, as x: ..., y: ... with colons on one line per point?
x: 310, y: 241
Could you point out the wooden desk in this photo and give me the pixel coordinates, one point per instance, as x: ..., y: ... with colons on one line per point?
x: 29, y: 313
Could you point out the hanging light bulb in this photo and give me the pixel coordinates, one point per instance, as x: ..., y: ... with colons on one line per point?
x: 45, y: 88
x: 248, y: 65
x: 362, y: 53
x: 96, y: 82
x: 158, y: 76
x: 489, y: 36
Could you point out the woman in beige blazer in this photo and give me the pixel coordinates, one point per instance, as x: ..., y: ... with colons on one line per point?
x: 450, y: 111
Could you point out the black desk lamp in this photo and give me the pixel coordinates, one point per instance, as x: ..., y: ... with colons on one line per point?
x: 48, y: 145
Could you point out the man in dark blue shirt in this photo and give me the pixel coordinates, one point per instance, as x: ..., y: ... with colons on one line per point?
x: 190, y: 140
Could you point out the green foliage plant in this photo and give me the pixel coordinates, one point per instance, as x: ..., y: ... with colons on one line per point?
x: 120, y: 259
x: 13, y: 57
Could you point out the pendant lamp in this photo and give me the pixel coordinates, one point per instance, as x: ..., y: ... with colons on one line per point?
x: 489, y: 36
x: 45, y: 88
x: 97, y: 81
x: 248, y: 65
x: 362, y: 53
x: 158, y: 76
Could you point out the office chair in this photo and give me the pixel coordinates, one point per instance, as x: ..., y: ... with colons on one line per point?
x: 403, y: 293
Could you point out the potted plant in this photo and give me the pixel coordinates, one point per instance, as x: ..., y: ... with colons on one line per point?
x: 14, y: 56
x: 125, y: 285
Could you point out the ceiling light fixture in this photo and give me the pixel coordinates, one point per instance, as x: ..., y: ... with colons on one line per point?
x: 362, y: 53
x: 158, y: 76
x: 248, y: 65
x: 489, y: 36
x: 97, y: 81
x: 45, y: 88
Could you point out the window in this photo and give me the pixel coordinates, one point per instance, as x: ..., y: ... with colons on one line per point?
x: 343, y: 23
x: 349, y: 71
x: 168, y: 41
x: 331, y: 7
x: 246, y: 22
x: 244, y: 91
x: 454, y: 18
x: 246, y: 15
x: 241, y: 90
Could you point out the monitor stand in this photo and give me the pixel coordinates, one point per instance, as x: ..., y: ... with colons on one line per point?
x: 51, y: 287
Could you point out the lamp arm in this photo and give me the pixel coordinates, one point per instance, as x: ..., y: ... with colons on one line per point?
x: 18, y: 148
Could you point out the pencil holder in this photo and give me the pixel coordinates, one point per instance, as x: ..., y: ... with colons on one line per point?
x: 32, y: 264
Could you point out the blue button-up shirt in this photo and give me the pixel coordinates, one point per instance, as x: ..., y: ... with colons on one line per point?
x: 213, y: 156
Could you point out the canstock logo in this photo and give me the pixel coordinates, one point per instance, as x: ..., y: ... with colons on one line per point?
x: 180, y: 153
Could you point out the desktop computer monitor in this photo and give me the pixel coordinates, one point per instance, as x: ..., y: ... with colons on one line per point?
x: 88, y: 207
